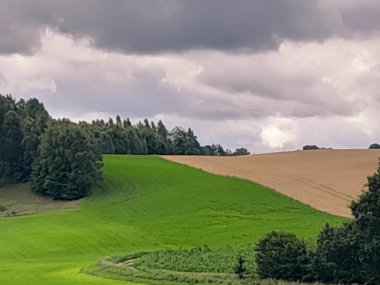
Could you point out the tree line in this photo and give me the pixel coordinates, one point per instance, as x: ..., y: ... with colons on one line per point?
x: 22, y: 125
x: 345, y: 255
x: 147, y: 137
x: 63, y: 159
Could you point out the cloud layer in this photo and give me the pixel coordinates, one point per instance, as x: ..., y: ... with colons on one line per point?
x: 267, y: 75
x: 152, y: 26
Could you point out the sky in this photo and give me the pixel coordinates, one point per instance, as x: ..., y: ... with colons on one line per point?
x: 267, y: 75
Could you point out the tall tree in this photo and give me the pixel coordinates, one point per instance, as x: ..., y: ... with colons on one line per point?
x: 12, y: 148
x: 68, y: 163
x: 35, y: 122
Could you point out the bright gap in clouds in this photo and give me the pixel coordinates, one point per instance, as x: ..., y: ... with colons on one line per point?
x: 323, y: 93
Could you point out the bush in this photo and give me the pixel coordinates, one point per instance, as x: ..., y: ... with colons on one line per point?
x: 374, y: 146
x: 310, y: 147
x: 281, y: 256
x: 366, y: 211
x: 240, y: 269
x: 349, y: 254
x: 241, y: 151
x: 337, y: 256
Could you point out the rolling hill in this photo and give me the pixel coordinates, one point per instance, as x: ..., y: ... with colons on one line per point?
x: 144, y: 203
x: 327, y: 180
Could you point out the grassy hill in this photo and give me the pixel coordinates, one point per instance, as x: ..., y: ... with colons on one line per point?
x: 145, y: 203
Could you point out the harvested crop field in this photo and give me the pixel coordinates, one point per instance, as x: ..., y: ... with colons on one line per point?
x: 327, y: 180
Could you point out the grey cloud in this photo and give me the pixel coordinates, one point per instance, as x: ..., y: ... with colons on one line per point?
x: 289, y: 98
x: 271, y: 92
x: 361, y: 16
x: 19, y: 29
x: 150, y: 26
x: 143, y: 98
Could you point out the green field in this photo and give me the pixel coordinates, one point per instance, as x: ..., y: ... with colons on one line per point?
x: 145, y: 203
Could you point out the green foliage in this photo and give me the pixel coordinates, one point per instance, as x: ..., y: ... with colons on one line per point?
x: 337, y: 255
x: 146, y: 138
x: 35, y: 123
x: 67, y: 164
x: 374, y: 146
x: 21, y: 126
x: 13, y: 150
x: 124, y: 268
x: 310, y: 147
x: 200, y: 259
x: 347, y: 254
x: 145, y: 203
x: 184, y: 142
x: 240, y: 268
x: 281, y: 255
x: 214, y: 149
x: 106, y: 268
x: 366, y: 211
x: 241, y: 151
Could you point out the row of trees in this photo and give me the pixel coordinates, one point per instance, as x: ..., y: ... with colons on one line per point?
x: 121, y: 137
x: 63, y: 159
x: 313, y: 147
x: 22, y: 124
x: 59, y: 157
x: 347, y: 254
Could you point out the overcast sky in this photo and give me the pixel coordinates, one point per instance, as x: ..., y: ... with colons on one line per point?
x: 268, y: 75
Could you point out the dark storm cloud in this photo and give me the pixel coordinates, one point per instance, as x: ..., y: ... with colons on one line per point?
x: 150, y: 26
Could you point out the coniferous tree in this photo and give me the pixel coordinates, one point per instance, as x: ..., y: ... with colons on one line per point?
x: 35, y: 122
x: 366, y: 211
x: 13, y: 149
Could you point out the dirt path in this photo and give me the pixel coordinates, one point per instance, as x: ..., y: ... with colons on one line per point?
x: 324, y: 179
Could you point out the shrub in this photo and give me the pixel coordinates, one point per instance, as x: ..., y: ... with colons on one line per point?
x: 374, y: 146
x: 366, y: 211
x: 281, y: 256
x: 241, y: 151
x: 337, y: 255
x: 348, y: 254
x: 310, y: 147
x: 240, y: 269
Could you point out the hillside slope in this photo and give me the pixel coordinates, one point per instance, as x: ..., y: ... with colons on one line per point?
x: 327, y: 180
x: 145, y: 203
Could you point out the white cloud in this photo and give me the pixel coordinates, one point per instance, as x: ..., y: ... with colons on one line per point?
x: 277, y: 133
x: 323, y: 93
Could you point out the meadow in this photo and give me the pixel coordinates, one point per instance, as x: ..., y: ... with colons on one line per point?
x: 145, y: 203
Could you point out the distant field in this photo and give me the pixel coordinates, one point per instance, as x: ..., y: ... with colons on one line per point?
x: 327, y: 180
x: 144, y: 203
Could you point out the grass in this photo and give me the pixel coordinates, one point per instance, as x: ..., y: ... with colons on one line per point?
x: 111, y: 268
x: 194, y: 265
x: 19, y: 200
x: 145, y: 203
x: 199, y: 259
